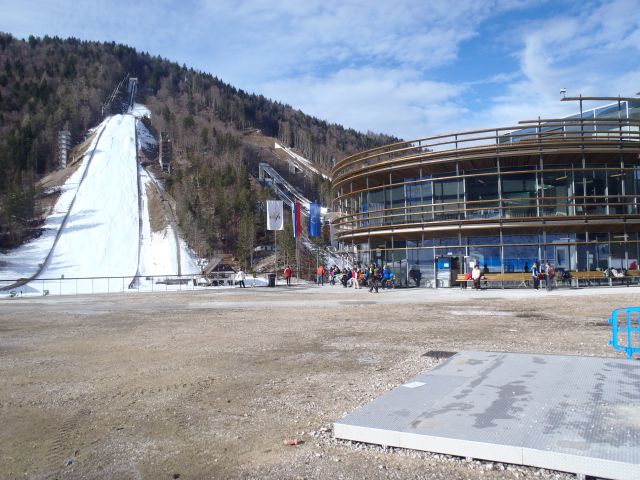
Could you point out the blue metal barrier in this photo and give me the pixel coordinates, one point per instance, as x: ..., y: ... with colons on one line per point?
x: 632, y: 320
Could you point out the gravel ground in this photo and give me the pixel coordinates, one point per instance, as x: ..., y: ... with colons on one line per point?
x: 209, y: 384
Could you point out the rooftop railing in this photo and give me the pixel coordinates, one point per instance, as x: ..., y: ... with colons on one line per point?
x: 539, y: 135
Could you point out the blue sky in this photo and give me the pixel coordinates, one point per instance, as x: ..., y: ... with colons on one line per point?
x: 409, y: 68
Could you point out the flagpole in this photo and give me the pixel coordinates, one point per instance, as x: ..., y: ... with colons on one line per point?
x: 298, y: 256
x: 275, y: 247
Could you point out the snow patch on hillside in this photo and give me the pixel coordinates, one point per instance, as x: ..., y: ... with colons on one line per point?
x: 23, y: 262
x: 104, y: 235
x: 146, y: 141
x: 140, y: 111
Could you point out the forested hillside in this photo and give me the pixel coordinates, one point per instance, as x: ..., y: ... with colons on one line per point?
x: 51, y: 84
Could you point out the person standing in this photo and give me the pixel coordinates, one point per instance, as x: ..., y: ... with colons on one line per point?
x: 475, y: 276
x: 354, y: 278
x: 375, y: 280
x: 549, y: 274
x: 344, y: 279
x: 386, y: 276
x: 240, y: 276
x: 320, y: 273
x: 416, y: 275
x: 535, y: 274
x: 287, y: 275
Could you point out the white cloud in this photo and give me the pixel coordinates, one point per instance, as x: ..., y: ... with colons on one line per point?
x: 383, y: 66
x: 588, y: 54
x: 390, y: 101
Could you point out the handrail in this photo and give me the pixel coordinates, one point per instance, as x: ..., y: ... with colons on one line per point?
x: 462, y: 218
x: 631, y: 330
x: 553, y: 168
x: 544, y: 135
x: 506, y: 149
x: 509, y: 131
x: 493, y: 203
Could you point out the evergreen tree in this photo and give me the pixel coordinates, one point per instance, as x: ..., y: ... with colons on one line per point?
x: 246, y: 240
x: 287, y: 245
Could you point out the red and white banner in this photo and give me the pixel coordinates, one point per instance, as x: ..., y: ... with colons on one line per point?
x: 295, y: 216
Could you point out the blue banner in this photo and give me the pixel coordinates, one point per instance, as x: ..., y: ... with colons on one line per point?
x: 315, y: 224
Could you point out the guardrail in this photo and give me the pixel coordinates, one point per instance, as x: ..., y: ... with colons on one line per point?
x: 145, y: 283
x: 534, y: 136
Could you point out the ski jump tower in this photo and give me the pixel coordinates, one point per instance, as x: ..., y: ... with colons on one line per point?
x: 122, y: 98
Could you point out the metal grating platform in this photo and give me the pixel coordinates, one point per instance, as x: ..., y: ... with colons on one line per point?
x: 574, y: 414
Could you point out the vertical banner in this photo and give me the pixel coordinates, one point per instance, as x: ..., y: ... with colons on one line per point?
x: 274, y: 215
x: 315, y: 225
x: 295, y: 217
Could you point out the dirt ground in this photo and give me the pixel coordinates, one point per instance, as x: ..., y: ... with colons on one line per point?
x: 209, y: 384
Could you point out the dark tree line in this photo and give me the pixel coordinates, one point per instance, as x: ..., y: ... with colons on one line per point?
x: 50, y: 84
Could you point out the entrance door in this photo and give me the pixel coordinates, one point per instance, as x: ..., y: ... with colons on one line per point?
x: 562, y: 258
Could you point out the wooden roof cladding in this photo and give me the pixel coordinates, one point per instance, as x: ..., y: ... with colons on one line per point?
x: 551, y: 137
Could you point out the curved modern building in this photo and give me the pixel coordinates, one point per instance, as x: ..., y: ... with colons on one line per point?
x: 564, y: 189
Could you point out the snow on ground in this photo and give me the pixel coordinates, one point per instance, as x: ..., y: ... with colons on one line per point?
x: 301, y: 159
x: 102, y: 234
x: 140, y: 111
x: 188, y: 259
x: 23, y: 262
x: 145, y: 139
x: 158, y: 252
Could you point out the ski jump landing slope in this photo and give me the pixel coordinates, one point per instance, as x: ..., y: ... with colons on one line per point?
x: 102, y: 231
x: 105, y: 233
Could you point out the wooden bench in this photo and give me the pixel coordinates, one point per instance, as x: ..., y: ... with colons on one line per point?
x: 498, y: 279
x: 524, y: 279
x: 599, y: 278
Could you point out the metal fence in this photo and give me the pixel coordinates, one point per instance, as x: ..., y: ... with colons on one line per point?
x: 127, y: 284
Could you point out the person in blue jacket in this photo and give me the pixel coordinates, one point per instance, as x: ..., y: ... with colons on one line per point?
x: 387, y: 277
x: 535, y: 274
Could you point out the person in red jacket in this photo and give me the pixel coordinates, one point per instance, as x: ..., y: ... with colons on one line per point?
x: 287, y: 275
x: 321, y: 272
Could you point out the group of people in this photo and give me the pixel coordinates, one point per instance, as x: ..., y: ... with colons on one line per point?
x: 547, y: 272
x: 359, y: 276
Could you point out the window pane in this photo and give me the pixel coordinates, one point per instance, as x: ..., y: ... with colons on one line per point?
x: 520, y: 258
x: 446, y: 194
x: 482, y: 196
x: 519, y: 195
x: 488, y: 258
x: 556, y: 189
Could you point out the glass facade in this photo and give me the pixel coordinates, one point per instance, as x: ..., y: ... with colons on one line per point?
x: 537, y: 194
x: 511, y: 194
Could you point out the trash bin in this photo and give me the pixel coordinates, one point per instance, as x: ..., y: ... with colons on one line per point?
x: 272, y: 279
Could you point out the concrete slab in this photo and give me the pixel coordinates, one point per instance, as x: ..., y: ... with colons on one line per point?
x: 568, y: 413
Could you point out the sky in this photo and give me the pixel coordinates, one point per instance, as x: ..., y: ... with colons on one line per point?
x: 410, y: 68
